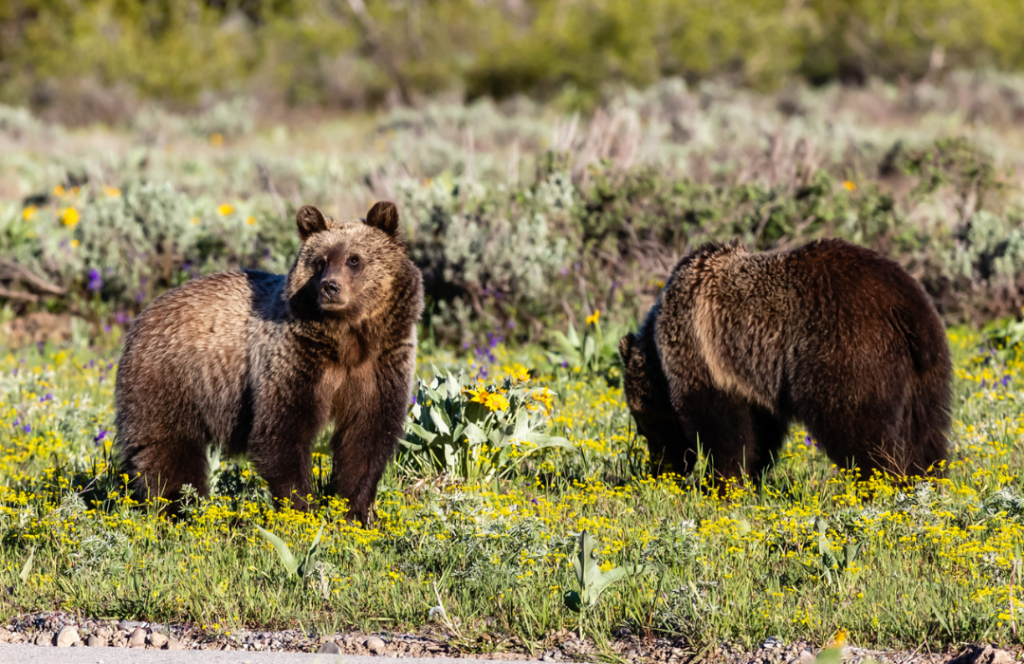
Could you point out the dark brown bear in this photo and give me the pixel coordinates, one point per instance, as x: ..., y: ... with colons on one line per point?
x: 259, y: 362
x: 830, y: 334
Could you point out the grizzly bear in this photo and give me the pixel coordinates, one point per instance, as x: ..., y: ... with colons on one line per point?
x: 258, y: 362
x: 830, y: 334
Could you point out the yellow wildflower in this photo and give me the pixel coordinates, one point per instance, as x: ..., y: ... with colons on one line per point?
x: 70, y: 217
x: 519, y: 372
x: 112, y: 192
x: 29, y: 212
x: 544, y: 397
x: 839, y: 639
x: 59, y: 191
x: 593, y: 318
x: 216, y: 140
x: 849, y: 185
x: 250, y: 220
x: 194, y: 221
x: 492, y: 400
x: 225, y: 209
x: 74, y: 244
x: 495, y: 402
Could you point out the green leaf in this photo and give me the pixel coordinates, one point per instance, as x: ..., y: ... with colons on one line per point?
x: 309, y: 560
x: 572, y: 337
x: 567, y: 345
x: 572, y: 601
x: 543, y: 440
x: 438, y: 418
x: 425, y: 435
x: 454, y: 389
x: 26, y: 569
x: 588, y: 350
x: 475, y: 434
x: 283, y: 552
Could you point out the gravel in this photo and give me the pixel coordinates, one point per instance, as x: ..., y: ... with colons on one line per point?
x: 64, y: 629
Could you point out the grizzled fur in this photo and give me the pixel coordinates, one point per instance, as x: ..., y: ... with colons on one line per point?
x: 259, y: 362
x: 829, y: 334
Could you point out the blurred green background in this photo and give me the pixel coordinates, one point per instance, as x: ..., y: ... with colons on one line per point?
x: 361, y: 53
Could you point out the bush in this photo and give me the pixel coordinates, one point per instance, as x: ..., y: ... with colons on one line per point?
x: 360, y: 54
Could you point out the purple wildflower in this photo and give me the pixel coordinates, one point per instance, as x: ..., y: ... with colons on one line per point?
x: 511, y: 325
x: 1006, y: 380
x: 95, y: 280
x: 412, y: 400
x: 983, y: 383
x: 27, y: 428
x: 100, y: 436
x: 107, y: 328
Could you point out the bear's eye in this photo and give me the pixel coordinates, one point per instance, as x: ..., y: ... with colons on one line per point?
x: 353, y: 261
x: 320, y: 264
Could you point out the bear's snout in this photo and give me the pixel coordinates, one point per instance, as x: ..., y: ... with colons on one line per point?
x: 331, y: 293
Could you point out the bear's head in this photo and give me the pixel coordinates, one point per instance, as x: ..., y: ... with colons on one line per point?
x: 647, y: 397
x: 345, y: 269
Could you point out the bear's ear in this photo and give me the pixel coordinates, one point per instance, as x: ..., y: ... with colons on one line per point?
x: 626, y: 345
x: 310, y: 221
x: 383, y: 215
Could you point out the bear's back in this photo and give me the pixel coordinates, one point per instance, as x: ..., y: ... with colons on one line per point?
x: 756, y: 318
x: 191, y: 345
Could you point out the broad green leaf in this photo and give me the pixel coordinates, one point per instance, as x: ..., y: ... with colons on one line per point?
x: 439, y: 421
x: 427, y: 436
x: 475, y: 434
x: 26, y: 569
x: 543, y: 440
x: 410, y: 446
x: 309, y: 560
x: 454, y: 389
x: 283, y: 552
x: 572, y: 337
x: 588, y: 350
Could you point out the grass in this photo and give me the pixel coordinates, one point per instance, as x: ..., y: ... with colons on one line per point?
x: 809, y: 553
x: 526, y: 223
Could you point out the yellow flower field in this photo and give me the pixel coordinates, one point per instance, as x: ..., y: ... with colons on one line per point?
x: 808, y: 554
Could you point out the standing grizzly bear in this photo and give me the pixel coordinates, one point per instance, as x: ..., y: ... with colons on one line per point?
x: 261, y: 362
x: 830, y: 334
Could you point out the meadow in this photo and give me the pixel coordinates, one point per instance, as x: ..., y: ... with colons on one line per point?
x: 542, y: 237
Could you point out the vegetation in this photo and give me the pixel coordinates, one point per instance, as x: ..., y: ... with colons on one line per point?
x: 82, y: 58
x: 541, y: 236
x: 810, y: 553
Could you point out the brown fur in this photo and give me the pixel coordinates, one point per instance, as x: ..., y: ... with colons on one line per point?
x: 258, y: 362
x: 829, y: 334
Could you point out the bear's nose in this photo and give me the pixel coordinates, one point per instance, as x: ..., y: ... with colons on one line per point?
x: 329, y: 289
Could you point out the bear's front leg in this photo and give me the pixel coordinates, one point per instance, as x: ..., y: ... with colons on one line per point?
x: 281, y: 448
x: 367, y: 426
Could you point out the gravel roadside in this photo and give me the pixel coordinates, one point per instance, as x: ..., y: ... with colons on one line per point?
x: 36, y: 633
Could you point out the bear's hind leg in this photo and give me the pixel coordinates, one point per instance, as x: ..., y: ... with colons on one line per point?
x: 770, y: 432
x: 160, y: 467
